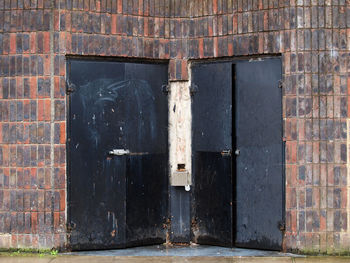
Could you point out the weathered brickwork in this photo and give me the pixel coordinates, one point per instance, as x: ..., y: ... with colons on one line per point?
x: 312, y: 36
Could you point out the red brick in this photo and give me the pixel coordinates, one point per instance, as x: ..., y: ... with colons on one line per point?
x: 62, y: 66
x: 46, y: 42
x: 172, y: 69
x: 215, y: 6
x: 140, y: 7
x: 114, y: 24
x: 47, y: 174
x: 34, y: 222
x: 47, y: 66
x: 68, y: 21
x: 13, y: 43
x: 40, y: 110
x: 344, y: 198
x: 301, y: 198
x: 62, y: 133
x: 27, y: 180
x: 291, y: 152
x: 56, y: 20
x: 201, y: 52
x: 216, y: 47
x: 291, y: 198
x: 56, y: 220
x: 145, y: 27
x: 32, y: 42
x: 33, y: 87
x: 69, y: 43
x: 120, y: 6
x: 230, y: 48
x: 291, y: 128
x: 59, y: 178
x: 98, y: 6
x: 47, y: 111
x: 184, y: 70
x: 291, y: 175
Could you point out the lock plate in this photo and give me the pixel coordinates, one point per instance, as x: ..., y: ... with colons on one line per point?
x: 119, y: 152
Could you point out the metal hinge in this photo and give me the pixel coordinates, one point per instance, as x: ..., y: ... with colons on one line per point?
x: 193, y: 89
x: 70, y: 88
x: 281, y: 226
x: 166, y: 89
x: 280, y: 84
x: 71, y: 226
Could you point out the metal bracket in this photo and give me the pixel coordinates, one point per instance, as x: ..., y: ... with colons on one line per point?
x: 193, y: 89
x: 166, y: 89
x: 226, y: 153
x: 181, y: 178
x: 70, y: 88
x: 255, y: 59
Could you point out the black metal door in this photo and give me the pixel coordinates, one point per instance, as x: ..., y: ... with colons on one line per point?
x: 212, y: 146
x: 117, y: 154
x: 259, y: 165
x: 238, y: 205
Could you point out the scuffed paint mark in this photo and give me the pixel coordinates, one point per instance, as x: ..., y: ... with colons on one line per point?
x: 135, y: 99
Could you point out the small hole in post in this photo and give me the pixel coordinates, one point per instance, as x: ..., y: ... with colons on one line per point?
x: 181, y: 167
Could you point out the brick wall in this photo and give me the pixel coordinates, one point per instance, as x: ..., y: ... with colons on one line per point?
x: 312, y: 36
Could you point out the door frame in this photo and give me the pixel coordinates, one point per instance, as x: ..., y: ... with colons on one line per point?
x: 234, y: 60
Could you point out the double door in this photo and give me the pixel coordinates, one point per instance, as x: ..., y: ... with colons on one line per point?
x: 118, y: 155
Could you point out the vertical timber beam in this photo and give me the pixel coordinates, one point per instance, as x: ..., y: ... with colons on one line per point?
x: 180, y: 150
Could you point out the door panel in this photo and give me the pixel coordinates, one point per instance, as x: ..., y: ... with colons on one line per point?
x: 114, y: 105
x: 259, y: 165
x: 212, y: 107
x: 213, y: 199
x: 212, y: 134
x: 147, y: 195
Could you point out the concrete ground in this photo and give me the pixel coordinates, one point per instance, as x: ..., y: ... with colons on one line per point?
x: 131, y: 259
x: 162, y: 254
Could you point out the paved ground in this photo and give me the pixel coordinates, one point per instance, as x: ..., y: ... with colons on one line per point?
x: 162, y: 254
x: 126, y: 259
x: 184, y: 251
